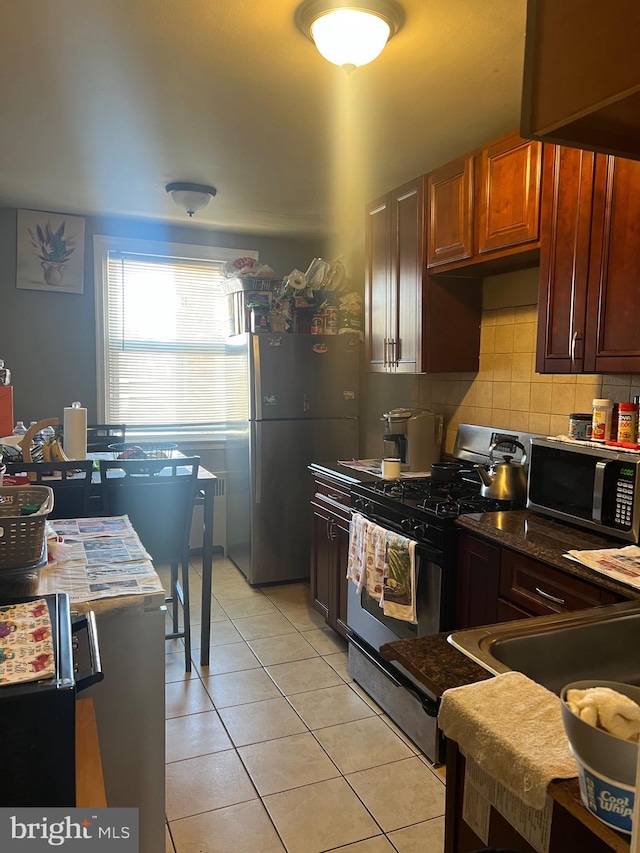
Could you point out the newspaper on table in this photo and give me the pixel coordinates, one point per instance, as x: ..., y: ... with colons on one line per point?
x: 99, y: 558
x: 622, y: 564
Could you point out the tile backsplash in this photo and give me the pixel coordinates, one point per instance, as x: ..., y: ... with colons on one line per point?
x: 507, y: 392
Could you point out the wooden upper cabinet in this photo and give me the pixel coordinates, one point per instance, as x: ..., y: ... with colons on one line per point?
x: 377, y: 273
x: 484, y: 209
x: 590, y: 257
x: 612, y: 342
x: 407, y: 272
x: 581, y: 83
x: 450, y: 201
x: 567, y: 200
x: 508, y: 194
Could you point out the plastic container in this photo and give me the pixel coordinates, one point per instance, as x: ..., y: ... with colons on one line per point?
x: 580, y: 425
x: 602, y: 418
x: 606, y: 764
x: 23, y: 547
x: 627, y: 422
x: 19, y: 428
x: 331, y: 321
x: 143, y: 449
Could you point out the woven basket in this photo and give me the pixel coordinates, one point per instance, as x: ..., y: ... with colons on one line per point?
x: 22, y: 537
x: 251, y: 285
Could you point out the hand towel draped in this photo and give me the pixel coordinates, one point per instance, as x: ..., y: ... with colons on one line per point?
x: 383, y: 563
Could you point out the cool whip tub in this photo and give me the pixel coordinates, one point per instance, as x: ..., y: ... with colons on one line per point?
x: 606, y: 764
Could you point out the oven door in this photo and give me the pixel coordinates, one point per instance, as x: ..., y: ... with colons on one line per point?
x: 366, y: 619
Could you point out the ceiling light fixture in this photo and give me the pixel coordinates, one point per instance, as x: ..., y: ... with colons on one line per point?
x: 190, y: 197
x: 347, y: 32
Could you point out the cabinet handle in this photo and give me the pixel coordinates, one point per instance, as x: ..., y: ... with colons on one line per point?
x: 549, y: 596
x: 574, y: 340
x: 393, y: 360
x: 332, y: 535
x: 386, y: 359
x: 334, y: 496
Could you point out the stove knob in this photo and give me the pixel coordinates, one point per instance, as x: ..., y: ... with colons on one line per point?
x: 420, y: 530
x: 406, y: 525
x: 358, y: 503
x: 368, y: 507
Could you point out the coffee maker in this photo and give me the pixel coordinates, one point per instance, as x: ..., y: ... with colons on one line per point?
x: 414, y: 436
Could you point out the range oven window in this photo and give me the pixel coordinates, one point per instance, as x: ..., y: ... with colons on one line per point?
x: 402, y: 630
x: 562, y: 480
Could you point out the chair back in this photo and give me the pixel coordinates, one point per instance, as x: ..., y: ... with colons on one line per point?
x: 70, y: 481
x: 100, y: 436
x: 158, y: 496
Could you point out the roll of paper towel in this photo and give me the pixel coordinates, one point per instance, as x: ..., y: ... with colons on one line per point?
x: 74, y: 436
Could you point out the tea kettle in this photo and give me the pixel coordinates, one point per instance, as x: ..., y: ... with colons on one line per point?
x: 508, y: 480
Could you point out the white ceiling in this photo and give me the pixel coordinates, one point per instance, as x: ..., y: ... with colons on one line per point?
x: 103, y: 102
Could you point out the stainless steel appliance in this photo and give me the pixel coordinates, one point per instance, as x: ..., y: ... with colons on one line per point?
x: 588, y: 484
x: 300, y: 406
x: 424, y: 510
x: 38, y: 719
x: 414, y: 436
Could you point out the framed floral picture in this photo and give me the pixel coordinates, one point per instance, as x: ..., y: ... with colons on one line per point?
x: 50, y: 252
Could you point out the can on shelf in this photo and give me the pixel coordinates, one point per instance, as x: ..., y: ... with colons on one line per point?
x: 317, y: 324
x: 627, y: 422
x: 580, y: 425
x: 331, y: 321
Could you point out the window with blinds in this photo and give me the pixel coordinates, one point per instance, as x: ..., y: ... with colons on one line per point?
x: 163, y: 329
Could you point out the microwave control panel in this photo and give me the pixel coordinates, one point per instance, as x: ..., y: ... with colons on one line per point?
x: 625, y: 488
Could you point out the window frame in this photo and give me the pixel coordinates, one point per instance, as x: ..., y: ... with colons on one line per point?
x: 102, y: 245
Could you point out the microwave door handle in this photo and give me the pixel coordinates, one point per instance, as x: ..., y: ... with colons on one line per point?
x: 598, y: 490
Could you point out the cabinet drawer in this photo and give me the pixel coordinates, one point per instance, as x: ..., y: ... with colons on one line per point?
x: 542, y: 589
x: 332, y: 494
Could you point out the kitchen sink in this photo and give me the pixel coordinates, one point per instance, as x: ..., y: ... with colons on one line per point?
x: 599, y: 643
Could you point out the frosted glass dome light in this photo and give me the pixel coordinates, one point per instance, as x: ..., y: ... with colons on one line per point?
x: 349, y: 34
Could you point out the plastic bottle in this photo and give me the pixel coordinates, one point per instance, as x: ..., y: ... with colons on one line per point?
x: 627, y: 422
x: 602, y: 418
x: 19, y: 428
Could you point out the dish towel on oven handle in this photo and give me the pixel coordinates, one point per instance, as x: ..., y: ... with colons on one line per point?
x: 399, y: 588
x: 367, y: 555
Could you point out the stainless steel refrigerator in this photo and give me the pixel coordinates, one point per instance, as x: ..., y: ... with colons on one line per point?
x: 300, y: 402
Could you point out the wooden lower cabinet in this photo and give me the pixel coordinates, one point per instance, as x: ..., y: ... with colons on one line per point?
x: 568, y: 833
x: 496, y: 584
x: 330, y: 518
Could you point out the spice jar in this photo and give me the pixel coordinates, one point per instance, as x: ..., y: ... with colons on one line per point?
x: 627, y: 422
x: 601, y: 422
x: 580, y: 425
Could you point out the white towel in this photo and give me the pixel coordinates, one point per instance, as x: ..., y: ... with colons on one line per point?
x: 606, y: 709
x: 399, y: 587
x: 356, y: 563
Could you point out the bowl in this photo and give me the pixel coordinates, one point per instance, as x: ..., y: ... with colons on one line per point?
x: 143, y: 449
x: 606, y: 763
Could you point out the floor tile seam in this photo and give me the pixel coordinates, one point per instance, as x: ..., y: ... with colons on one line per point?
x: 384, y: 832
x: 270, y: 739
x: 269, y: 637
x: 201, y: 755
x: 349, y: 843
x: 208, y: 811
x: 364, y: 769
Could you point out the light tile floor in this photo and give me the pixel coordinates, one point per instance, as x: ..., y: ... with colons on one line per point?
x: 273, y: 748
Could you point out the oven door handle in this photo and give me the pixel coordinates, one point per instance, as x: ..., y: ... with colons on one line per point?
x: 94, y: 674
x: 429, y: 706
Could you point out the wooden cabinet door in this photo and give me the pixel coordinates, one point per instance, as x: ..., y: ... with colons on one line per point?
x: 613, y: 325
x: 478, y: 578
x: 567, y: 198
x: 450, y: 212
x: 508, y: 194
x: 321, y: 561
x: 377, y: 283
x: 407, y: 271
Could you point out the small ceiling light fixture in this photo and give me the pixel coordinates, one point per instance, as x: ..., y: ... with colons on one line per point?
x: 349, y: 33
x: 190, y: 197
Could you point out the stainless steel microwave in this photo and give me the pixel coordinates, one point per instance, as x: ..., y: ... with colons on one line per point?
x: 591, y: 486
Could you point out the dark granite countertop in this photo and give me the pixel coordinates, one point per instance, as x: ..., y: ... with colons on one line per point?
x: 547, y: 540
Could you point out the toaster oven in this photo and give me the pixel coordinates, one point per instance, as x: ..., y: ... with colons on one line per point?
x: 37, y: 718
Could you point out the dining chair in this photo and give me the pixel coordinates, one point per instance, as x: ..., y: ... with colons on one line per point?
x: 70, y: 481
x: 158, y: 495
x: 100, y: 436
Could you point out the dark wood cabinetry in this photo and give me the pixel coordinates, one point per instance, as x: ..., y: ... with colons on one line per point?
x: 581, y: 84
x: 588, y: 266
x: 499, y: 585
x: 331, y: 514
x: 411, y: 318
x: 484, y: 208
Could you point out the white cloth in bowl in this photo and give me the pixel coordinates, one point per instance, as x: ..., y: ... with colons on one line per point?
x: 606, y: 709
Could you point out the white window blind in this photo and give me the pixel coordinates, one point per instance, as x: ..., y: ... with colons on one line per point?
x: 165, y: 325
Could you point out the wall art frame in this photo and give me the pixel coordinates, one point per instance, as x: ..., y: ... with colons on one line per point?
x: 50, y: 251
